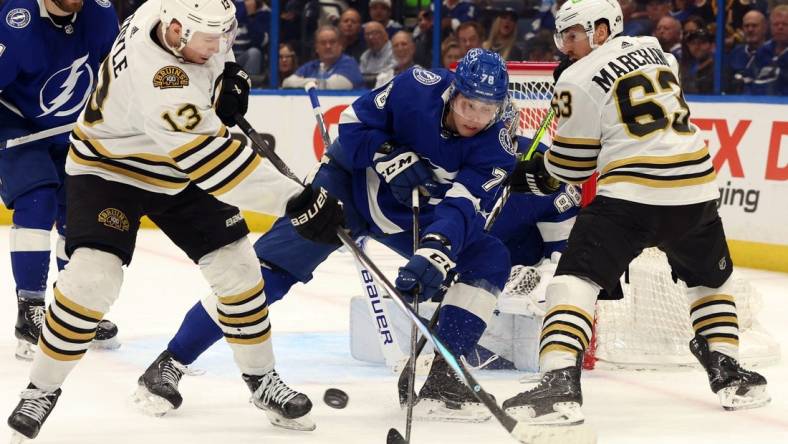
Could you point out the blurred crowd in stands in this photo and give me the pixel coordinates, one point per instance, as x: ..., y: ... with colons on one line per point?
x: 354, y: 44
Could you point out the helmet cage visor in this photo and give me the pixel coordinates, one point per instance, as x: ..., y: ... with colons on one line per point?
x: 209, y: 43
x: 479, y: 111
x: 572, y: 35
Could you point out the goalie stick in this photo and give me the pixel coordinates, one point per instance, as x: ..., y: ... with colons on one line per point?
x: 392, y: 354
x: 521, y: 431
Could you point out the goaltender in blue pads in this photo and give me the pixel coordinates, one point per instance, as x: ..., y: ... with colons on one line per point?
x: 434, y: 129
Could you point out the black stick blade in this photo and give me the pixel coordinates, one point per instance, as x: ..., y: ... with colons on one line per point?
x: 395, y: 437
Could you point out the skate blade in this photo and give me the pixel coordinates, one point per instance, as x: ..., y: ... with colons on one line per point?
x: 105, y: 344
x: 564, y: 414
x: 150, y: 404
x: 434, y: 410
x: 303, y: 423
x: 25, y: 351
x: 754, y: 397
x: 18, y: 438
x: 544, y: 434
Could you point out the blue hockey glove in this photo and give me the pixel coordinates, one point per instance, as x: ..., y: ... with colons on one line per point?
x: 425, y: 271
x: 403, y: 170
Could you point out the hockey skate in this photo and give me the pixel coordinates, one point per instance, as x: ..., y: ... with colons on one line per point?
x: 30, y: 316
x: 284, y: 406
x: 556, y: 400
x: 158, y: 392
x: 736, y: 387
x: 31, y: 412
x: 445, y: 398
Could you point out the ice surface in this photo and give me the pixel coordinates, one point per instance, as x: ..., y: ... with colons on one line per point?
x: 311, y: 343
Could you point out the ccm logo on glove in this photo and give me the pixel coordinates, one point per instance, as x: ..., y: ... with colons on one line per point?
x: 390, y: 168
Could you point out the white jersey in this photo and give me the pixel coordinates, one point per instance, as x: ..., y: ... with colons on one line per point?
x: 622, y: 114
x: 150, y: 124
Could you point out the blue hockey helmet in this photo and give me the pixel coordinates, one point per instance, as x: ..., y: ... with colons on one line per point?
x: 481, y: 74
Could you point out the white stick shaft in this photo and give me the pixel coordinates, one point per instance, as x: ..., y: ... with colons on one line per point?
x: 62, y: 129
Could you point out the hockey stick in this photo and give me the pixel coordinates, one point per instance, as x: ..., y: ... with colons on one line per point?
x: 498, y: 207
x: 51, y: 132
x: 377, y: 311
x: 521, y: 431
x: 414, y: 332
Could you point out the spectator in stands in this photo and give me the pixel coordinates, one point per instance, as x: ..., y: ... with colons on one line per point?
x: 741, y: 69
x: 470, y: 35
x: 332, y: 69
x: 404, y: 49
x: 541, y: 47
x: 350, y: 33
x: 635, y: 22
x: 772, y: 58
x: 682, y: 9
x: 503, y: 36
x: 697, y: 70
x: 292, y: 18
x: 422, y: 37
x: 456, y: 12
x: 451, y: 52
x: 288, y: 61
x: 378, y: 56
x: 691, y: 24
x: 380, y: 11
x: 668, y: 33
x: 655, y: 10
x: 253, y: 22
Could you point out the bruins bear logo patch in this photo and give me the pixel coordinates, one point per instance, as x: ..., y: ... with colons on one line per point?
x: 114, y: 218
x: 170, y: 77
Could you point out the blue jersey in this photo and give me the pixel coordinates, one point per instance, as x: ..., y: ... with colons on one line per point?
x: 47, y: 72
x: 409, y: 112
x: 346, y: 67
x: 533, y: 227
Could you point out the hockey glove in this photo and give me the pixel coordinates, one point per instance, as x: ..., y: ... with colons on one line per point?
x: 316, y: 215
x: 565, y: 63
x: 234, y: 96
x: 530, y: 176
x: 426, y: 270
x: 403, y: 170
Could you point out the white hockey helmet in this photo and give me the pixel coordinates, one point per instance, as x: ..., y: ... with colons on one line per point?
x: 586, y: 13
x: 201, y: 18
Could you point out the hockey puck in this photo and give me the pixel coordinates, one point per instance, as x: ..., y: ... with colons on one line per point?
x: 335, y: 398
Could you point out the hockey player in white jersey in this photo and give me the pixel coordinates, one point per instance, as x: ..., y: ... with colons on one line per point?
x: 622, y: 114
x: 150, y: 142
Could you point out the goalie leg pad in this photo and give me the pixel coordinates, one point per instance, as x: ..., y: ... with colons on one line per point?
x: 85, y: 291
x: 237, y: 303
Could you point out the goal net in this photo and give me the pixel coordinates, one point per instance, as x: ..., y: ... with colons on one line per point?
x: 650, y: 327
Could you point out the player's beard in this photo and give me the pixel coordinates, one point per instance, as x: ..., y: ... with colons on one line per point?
x: 69, y: 6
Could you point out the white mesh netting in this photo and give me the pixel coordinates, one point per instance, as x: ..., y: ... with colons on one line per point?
x: 650, y: 327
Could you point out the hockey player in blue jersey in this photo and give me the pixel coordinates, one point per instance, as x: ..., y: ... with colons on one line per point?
x: 50, y: 51
x: 437, y: 130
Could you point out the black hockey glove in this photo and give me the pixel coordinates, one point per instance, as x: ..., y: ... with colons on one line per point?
x: 565, y: 63
x: 530, y: 176
x: 234, y: 96
x: 316, y: 215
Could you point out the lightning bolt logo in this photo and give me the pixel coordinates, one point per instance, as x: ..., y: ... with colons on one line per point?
x: 68, y: 88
